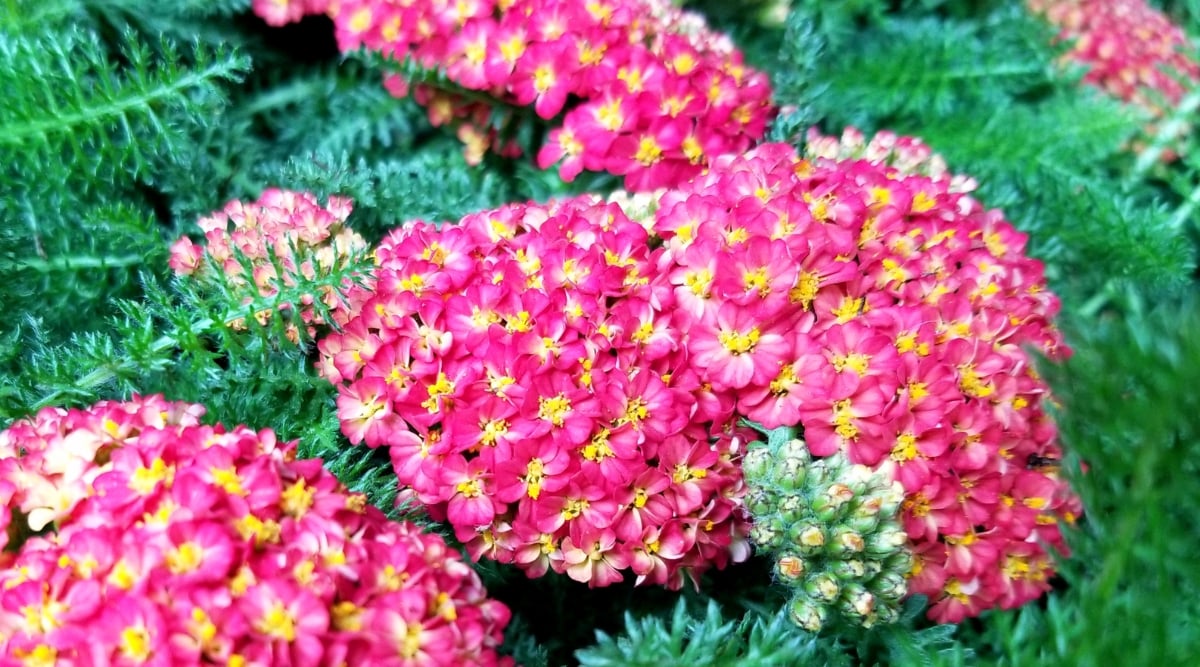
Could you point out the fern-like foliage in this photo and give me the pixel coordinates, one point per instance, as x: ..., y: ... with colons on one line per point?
x: 86, y: 126
x: 686, y: 639
x: 434, y: 185
x: 709, y: 640
x: 65, y: 102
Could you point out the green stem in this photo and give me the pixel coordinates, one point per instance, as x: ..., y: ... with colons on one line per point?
x: 1184, y: 212
x: 20, y: 133
x: 1167, y: 134
x: 279, y: 96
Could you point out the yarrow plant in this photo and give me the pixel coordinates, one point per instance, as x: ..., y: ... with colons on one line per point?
x: 171, y: 542
x: 1131, y: 50
x: 523, y: 370
x: 257, y: 248
x: 565, y: 384
x: 637, y: 88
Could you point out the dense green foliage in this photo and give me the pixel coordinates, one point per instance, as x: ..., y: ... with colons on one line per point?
x: 123, y: 122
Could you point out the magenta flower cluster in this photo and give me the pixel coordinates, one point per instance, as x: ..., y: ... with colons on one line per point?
x: 563, y: 383
x: 643, y: 89
x: 284, y: 230
x: 1130, y: 49
x: 176, y: 543
x: 526, y: 373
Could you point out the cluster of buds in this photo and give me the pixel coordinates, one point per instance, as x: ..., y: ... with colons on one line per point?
x: 564, y: 383
x: 197, y: 545
x: 833, y: 530
x: 643, y: 89
x: 256, y: 249
x: 1131, y: 50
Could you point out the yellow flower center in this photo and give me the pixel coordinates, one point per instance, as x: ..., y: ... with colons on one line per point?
x: 806, y: 289
x: 598, y: 449
x: 857, y: 362
x: 135, y: 643
x: 534, y: 473
x: 554, y: 409
x: 756, y: 281
x: 740, y: 343
x: 470, y: 488
x: 905, y: 449
x: 574, y: 507
x: 297, y: 499
x: 144, y: 480
x: 972, y: 383
x: 185, y: 558
x: 543, y: 78
x: 699, y: 281
x: 277, y: 622
x: 648, y: 152
x: 229, y: 480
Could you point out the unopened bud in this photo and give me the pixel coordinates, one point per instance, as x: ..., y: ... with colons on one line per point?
x: 792, y: 508
x: 764, y: 536
x: 808, y: 537
x: 790, y: 475
x: 858, y: 602
x: 891, y: 586
x: 795, y: 449
x: 848, y: 541
x: 759, y: 501
x: 886, y: 542
x: 791, y: 566
x: 822, y: 587
x: 807, y: 615
x: 848, y: 570
x: 756, y: 463
x: 886, y: 614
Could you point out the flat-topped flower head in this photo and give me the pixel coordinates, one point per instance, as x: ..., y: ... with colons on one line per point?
x: 910, y: 156
x: 283, y: 12
x: 638, y: 88
x: 195, y: 545
x: 1130, y: 50
x: 583, y: 405
x: 551, y: 427
x: 569, y: 396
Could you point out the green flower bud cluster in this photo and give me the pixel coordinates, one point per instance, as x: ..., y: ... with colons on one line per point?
x: 834, y: 531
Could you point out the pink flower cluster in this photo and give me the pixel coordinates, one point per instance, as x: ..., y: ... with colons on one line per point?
x: 282, y: 12
x: 551, y: 377
x: 908, y: 155
x: 194, y: 545
x: 525, y: 371
x: 1133, y: 52
x: 307, y: 241
x: 648, y: 91
x: 888, y: 316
